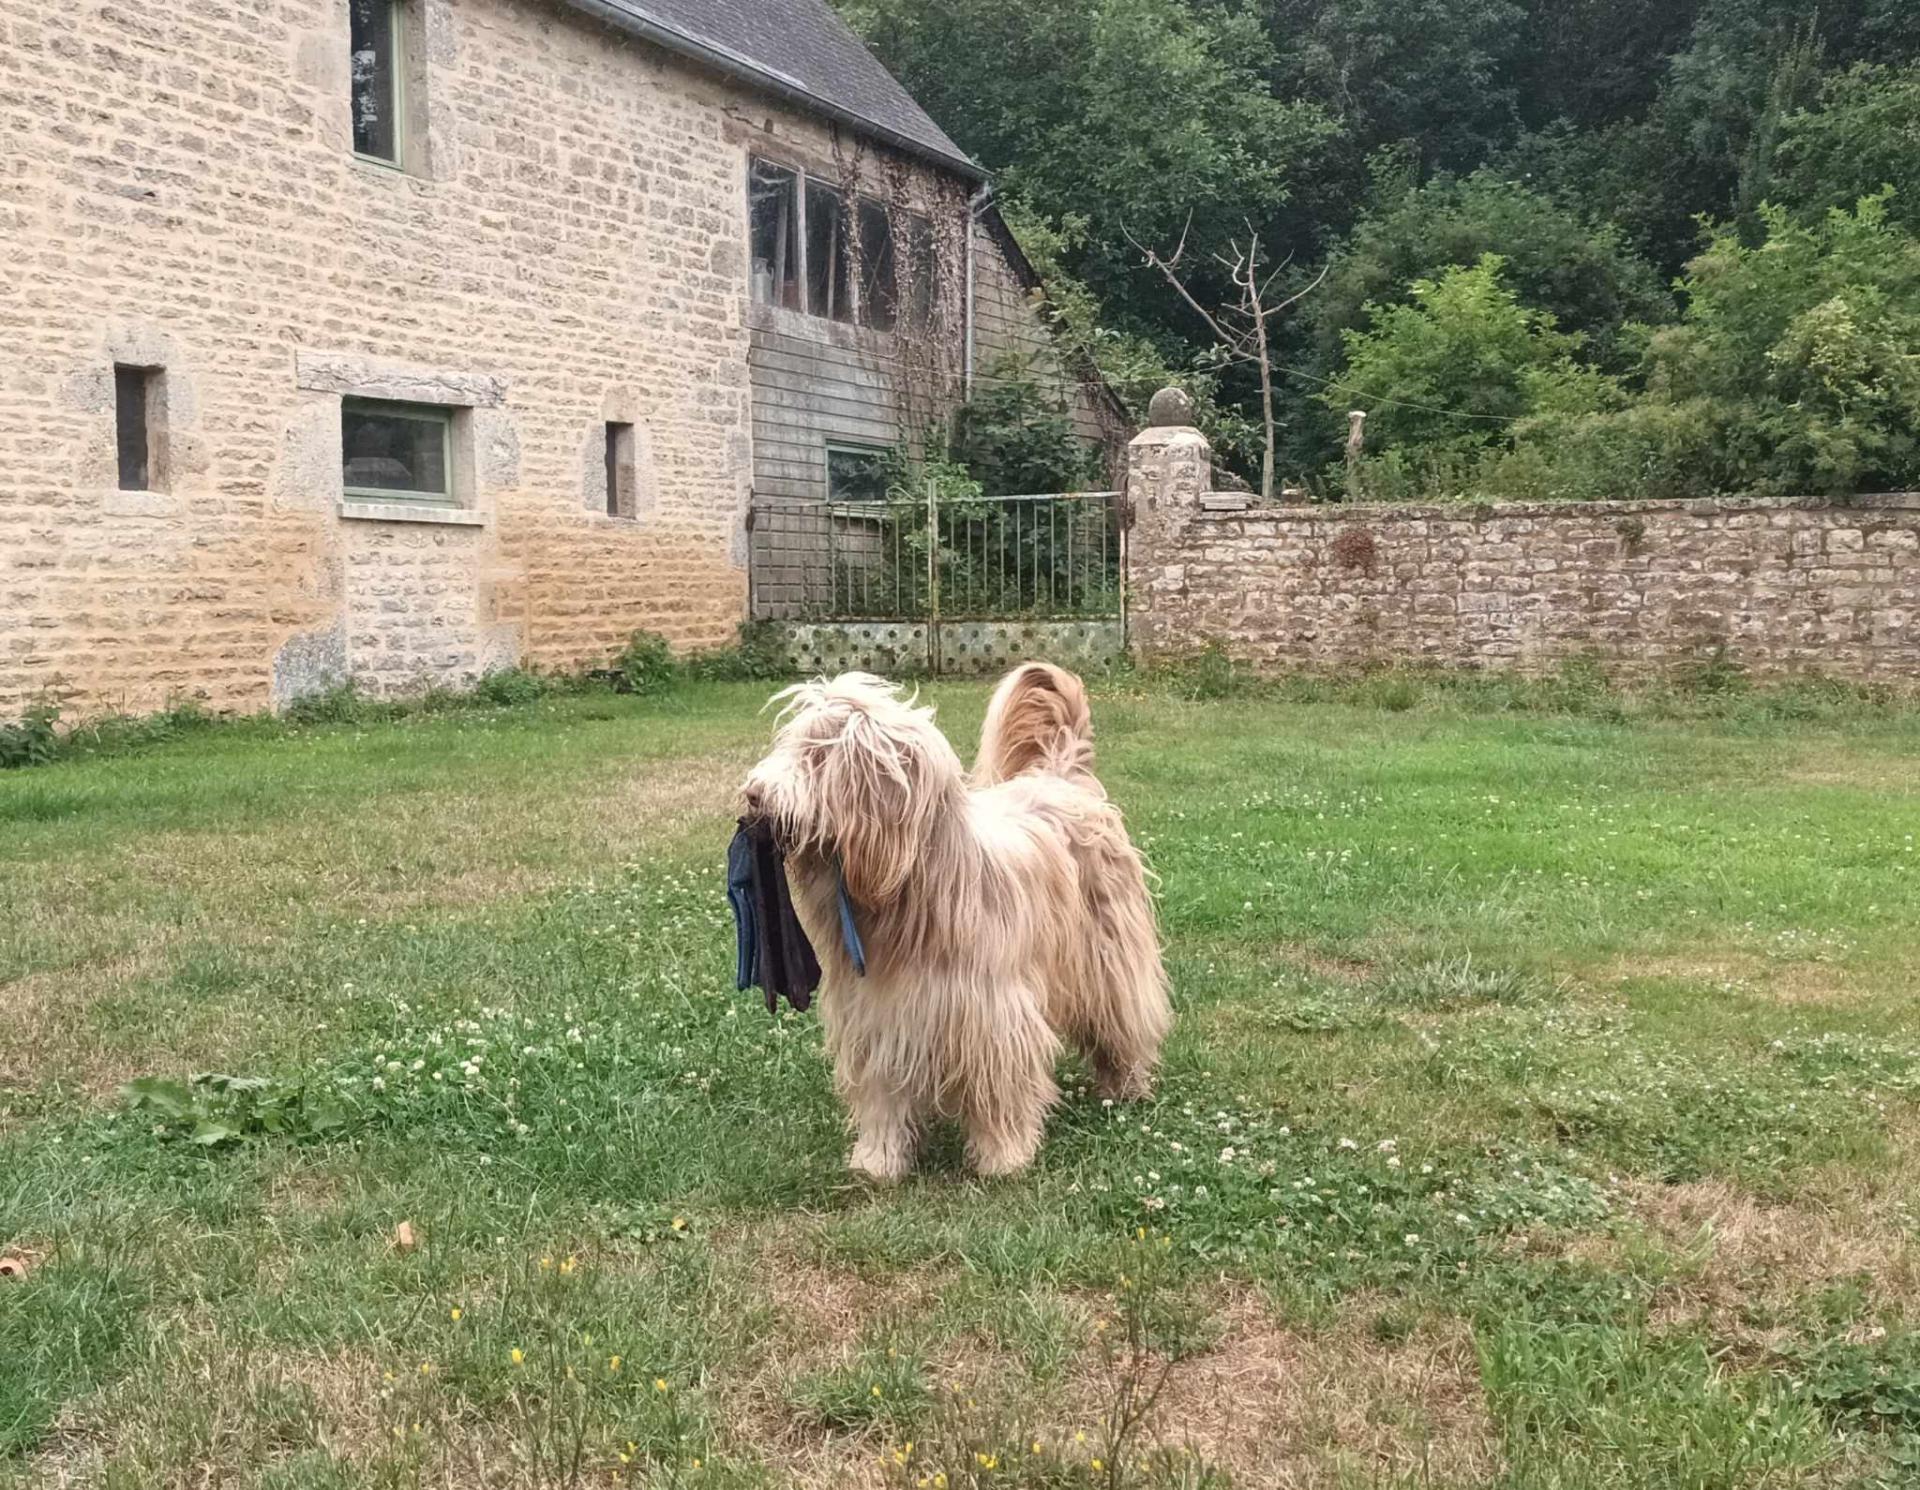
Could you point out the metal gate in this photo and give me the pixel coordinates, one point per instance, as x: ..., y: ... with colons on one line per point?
x: 943, y: 585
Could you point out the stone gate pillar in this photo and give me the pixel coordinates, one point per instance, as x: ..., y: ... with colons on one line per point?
x: 1169, y: 473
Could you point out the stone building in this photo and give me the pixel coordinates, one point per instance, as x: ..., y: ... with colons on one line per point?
x: 403, y: 340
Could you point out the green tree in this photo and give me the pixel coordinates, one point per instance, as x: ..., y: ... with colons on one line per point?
x: 1455, y: 368
x: 1432, y: 72
x: 1863, y: 134
x: 1585, y: 276
x: 1153, y: 111
x: 1800, y: 353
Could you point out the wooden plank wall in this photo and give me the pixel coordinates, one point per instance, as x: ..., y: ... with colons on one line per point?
x: 815, y: 382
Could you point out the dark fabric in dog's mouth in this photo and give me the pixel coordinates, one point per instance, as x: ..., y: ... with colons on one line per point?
x: 771, y: 949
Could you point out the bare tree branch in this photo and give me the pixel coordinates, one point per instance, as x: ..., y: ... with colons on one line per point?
x: 1240, y: 330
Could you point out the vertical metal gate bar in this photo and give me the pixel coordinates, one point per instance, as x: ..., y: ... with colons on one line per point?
x: 933, y: 578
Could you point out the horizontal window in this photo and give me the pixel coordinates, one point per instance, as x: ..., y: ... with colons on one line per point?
x: 396, y: 452
x: 858, y: 473
x: 850, y: 259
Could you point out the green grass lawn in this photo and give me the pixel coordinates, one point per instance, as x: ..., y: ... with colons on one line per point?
x: 1541, y: 1113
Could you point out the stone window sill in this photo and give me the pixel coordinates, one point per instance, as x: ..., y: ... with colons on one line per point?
x: 411, y: 512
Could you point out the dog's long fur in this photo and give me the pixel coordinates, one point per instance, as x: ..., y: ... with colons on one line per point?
x: 1002, y: 915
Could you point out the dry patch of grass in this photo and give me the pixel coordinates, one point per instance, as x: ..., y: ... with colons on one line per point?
x: 1726, y: 970
x: 1743, y: 1268
x: 43, y: 1019
x: 1282, y: 1406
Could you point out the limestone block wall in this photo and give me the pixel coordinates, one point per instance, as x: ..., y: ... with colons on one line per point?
x: 566, y: 247
x: 1784, y: 587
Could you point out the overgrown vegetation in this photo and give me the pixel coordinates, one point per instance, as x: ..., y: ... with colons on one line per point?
x: 1540, y: 1116
x: 1602, y: 151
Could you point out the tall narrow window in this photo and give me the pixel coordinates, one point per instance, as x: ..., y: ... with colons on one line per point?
x: 620, y: 471
x: 829, y: 293
x: 374, y: 38
x: 774, y: 195
x: 396, y: 452
x: 879, y: 276
x: 136, y: 412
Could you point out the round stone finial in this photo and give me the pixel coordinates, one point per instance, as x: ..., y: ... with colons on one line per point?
x: 1170, y: 407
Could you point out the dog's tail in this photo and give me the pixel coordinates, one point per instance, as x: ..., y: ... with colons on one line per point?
x: 1037, y: 720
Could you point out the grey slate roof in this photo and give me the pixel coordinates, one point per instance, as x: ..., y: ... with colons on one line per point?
x: 798, y: 49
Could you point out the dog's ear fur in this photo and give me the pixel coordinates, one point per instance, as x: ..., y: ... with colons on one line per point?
x: 881, y: 772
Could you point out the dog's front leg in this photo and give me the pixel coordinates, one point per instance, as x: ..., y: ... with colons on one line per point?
x: 885, y: 1137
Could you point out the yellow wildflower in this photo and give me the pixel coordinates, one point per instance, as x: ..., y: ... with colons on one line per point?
x: 454, y: 1314
x: 679, y: 1223
x: 426, y: 1368
x: 987, y: 1461
x: 613, y: 1363
x: 517, y: 1356
x: 567, y: 1264
x: 659, y: 1383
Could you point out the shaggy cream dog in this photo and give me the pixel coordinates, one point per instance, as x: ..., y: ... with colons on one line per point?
x: 1002, y: 914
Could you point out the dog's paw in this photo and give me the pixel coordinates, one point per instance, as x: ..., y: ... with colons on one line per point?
x: 881, y: 1165
x: 998, y: 1160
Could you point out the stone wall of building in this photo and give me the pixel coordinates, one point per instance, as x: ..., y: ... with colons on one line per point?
x: 566, y: 247
x: 1779, y: 588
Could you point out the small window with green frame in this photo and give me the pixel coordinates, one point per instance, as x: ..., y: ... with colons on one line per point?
x: 396, y: 452
x: 858, y: 474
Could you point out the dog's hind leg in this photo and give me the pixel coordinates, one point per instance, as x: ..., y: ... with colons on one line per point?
x: 1004, y: 1102
x: 1124, y: 1011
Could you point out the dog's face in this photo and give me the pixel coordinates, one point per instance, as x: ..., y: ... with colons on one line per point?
x: 858, y: 774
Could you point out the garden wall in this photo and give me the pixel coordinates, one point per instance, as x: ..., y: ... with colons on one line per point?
x: 1782, y: 587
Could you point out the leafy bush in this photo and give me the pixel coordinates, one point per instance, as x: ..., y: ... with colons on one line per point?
x: 758, y: 655
x: 214, y: 1111
x: 645, y: 665
x: 341, y: 704
x: 1013, y: 439
x: 511, y: 685
x: 34, y: 740
x: 1207, y: 675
